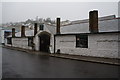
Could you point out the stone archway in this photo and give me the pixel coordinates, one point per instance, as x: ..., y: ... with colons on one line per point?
x: 44, y: 41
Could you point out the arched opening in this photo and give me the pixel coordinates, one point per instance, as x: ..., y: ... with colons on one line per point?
x: 44, y: 41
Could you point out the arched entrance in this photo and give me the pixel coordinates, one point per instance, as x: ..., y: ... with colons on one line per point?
x: 44, y: 41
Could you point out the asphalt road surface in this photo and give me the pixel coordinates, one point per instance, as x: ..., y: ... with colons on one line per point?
x: 17, y: 64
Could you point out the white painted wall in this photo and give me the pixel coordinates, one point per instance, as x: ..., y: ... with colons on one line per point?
x: 51, y: 44
x: 99, y: 45
x: 21, y: 43
x: 105, y: 45
x: 65, y: 42
x: 1, y: 35
x: 36, y: 41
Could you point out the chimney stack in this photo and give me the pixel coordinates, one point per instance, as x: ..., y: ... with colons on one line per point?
x: 23, y: 31
x: 35, y: 29
x: 58, y: 26
x: 93, y: 21
x: 13, y: 32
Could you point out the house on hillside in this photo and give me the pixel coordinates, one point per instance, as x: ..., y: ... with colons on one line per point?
x: 95, y: 36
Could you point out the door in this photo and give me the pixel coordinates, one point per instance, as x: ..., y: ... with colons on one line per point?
x: 44, y: 42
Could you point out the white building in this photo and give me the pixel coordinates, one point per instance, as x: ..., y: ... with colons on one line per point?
x: 95, y: 36
x: 1, y: 36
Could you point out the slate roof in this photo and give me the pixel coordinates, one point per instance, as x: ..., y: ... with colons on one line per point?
x: 52, y: 29
x: 105, y: 24
x: 100, y: 19
x: 27, y: 33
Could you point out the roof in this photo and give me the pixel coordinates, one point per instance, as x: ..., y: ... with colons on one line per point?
x: 99, y: 19
x: 27, y: 33
x: 10, y: 28
x: 9, y: 31
x: 52, y: 29
x: 104, y: 25
x: 87, y: 33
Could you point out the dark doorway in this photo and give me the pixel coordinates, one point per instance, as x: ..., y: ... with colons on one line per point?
x: 44, y: 42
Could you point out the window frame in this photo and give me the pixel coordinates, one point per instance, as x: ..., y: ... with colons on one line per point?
x: 83, y: 41
x: 41, y: 27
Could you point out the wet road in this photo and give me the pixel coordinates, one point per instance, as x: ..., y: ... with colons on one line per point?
x: 17, y: 64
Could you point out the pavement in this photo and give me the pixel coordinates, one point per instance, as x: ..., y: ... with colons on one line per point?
x: 111, y: 61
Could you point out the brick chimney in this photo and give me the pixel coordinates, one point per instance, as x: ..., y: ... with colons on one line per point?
x: 13, y: 32
x: 23, y: 31
x: 93, y: 21
x: 35, y: 28
x: 58, y: 26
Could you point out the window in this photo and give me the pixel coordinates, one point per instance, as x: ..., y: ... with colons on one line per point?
x: 9, y: 40
x: 82, y: 41
x: 30, y: 41
x: 41, y: 27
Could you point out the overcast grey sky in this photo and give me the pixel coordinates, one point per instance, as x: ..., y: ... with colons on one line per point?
x: 21, y: 11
